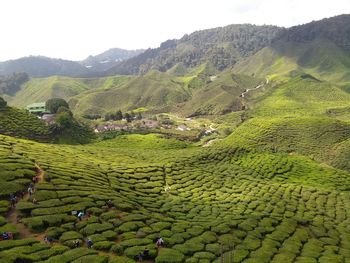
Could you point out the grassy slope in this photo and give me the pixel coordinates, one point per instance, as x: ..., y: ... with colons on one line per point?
x: 153, y: 90
x: 42, y: 89
x: 194, y: 92
x: 219, y: 96
x: 296, y: 118
x: 320, y: 58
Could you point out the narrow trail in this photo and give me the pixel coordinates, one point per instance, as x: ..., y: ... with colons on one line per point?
x: 14, y: 217
x: 256, y: 88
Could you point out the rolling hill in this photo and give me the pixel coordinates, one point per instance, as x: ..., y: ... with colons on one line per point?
x: 38, y: 66
x: 319, y: 48
x: 222, y: 47
x: 275, y: 190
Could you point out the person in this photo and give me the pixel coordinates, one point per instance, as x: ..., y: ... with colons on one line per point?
x: 109, y: 203
x: 89, y: 243
x: 145, y: 253
x: 20, y: 194
x: 139, y: 257
x: 5, y: 236
x: 76, y: 243
x: 160, y: 242
x: 50, y: 240
x: 80, y: 215
x: 13, y: 201
x: 30, y: 190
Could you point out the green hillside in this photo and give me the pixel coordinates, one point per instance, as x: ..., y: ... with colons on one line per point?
x: 304, y: 116
x: 154, y: 90
x: 222, y: 47
x: 320, y: 58
x: 42, y: 89
x: 19, y: 123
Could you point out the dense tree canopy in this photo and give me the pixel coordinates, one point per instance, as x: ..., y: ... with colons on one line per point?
x: 10, y: 84
x: 54, y: 104
x: 3, y: 103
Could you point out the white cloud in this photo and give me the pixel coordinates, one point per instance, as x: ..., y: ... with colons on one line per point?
x: 74, y: 29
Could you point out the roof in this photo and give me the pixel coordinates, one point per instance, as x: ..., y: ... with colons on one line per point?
x: 37, y: 105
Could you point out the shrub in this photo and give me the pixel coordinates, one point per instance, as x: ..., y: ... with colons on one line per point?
x: 70, y: 235
x: 91, y: 258
x: 117, y: 249
x: 103, y: 245
x: 167, y: 255
x: 132, y: 252
x: 71, y: 255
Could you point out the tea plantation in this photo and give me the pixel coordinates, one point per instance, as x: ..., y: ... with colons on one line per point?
x: 208, y: 204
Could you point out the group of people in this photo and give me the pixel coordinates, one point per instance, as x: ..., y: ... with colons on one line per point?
x: 6, y: 236
x: 14, y: 198
x: 145, y: 254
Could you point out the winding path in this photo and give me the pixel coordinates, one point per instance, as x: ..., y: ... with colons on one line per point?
x: 257, y: 87
x: 14, y: 218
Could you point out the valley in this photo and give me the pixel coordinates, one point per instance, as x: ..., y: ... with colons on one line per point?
x: 235, y: 151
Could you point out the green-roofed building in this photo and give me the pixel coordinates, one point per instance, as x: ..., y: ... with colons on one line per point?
x: 37, y: 108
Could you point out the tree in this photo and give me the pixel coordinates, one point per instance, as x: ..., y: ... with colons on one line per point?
x: 119, y: 115
x: 128, y: 117
x: 64, y: 120
x: 64, y: 109
x: 3, y: 103
x: 53, y: 104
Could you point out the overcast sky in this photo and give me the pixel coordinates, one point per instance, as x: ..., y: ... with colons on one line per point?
x: 74, y: 29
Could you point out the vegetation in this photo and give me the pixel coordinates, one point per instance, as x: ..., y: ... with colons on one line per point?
x: 12, y: 83
x: 275, y: 190
x: 3, y: 103
x: 20, y: 123
x: 54, y: 104
x: 220, y: 46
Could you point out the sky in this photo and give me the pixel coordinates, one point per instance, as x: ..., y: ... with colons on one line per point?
x: 74, y: 29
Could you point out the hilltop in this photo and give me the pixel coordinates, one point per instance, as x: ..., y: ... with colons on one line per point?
x: 222, y: 47
x: 93, y: 66
x: 319, y: 48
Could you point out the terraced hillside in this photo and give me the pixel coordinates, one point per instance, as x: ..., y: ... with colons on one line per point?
x: 204, y: 202
x: 303, y: 115
x: 19, y: 123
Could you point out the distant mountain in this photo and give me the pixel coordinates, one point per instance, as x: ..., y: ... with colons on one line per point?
x: 109, y: 59
x: 93, y: 66
x: 38, y: 66
x: 222, y: 47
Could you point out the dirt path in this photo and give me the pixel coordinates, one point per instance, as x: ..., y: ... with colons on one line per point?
x: 13, y: 216
x: 257, y: 87
x: 211, y: 142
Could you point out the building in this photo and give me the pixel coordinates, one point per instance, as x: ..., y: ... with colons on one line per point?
x: 38, y: 108
x: 48, y: 118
